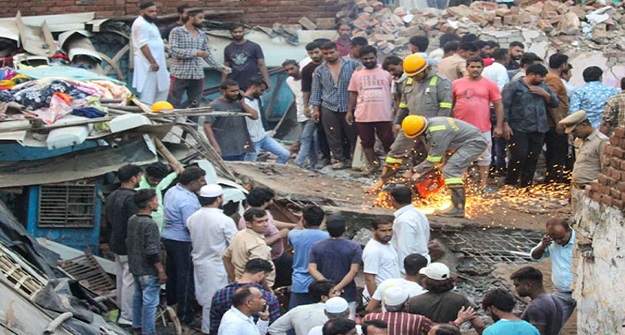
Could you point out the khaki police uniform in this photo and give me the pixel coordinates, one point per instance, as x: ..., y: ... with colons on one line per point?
x: 446, y: 134
x: 588, y: 152
x: 429, y: 98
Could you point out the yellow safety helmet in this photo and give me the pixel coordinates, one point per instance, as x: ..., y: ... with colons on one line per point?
x: 414, y: 64
x: 161, y: 106
x: 414, y: 125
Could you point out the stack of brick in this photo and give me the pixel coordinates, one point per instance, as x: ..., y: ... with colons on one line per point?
x: 390, y: 28
x: 609, y: 189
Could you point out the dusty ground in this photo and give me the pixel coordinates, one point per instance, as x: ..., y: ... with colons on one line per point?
x: 343, y: 192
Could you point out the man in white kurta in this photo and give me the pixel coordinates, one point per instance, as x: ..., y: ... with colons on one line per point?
x: 211, y: 232
x: 150, y: 78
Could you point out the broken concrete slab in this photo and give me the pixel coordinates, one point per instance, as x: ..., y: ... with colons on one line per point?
x: 307, y: 23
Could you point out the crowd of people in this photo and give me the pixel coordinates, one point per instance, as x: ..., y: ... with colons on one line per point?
x: 222, y: 277
x: 469, y: 101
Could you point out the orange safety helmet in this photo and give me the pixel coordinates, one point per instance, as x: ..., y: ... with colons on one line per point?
x: 162, y: 106
x: 414, y: 64
x: 414, y: 125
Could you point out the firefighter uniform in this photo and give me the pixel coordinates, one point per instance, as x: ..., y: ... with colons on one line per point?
x: 429, y: 98
x: 465, y: 143
x: 445, y: 134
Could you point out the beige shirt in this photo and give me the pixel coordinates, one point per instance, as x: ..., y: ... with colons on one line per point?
x: 453, y: 67
x: 246, y: 245
x: 588, y: 154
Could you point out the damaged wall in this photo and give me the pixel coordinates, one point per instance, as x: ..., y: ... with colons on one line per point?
x: 599, y: 288
x: 261, y: 12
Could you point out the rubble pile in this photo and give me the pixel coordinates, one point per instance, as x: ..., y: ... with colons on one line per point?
x: 591, y: 25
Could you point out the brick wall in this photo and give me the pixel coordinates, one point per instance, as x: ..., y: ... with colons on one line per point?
x: 610, y: 187
x: 256, y: 12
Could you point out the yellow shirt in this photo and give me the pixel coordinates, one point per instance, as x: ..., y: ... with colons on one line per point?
x: 588, y: 152
x: 246, y: 245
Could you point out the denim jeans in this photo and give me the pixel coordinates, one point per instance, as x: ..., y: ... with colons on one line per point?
x: 267, y: 143
x: 144, y: 303
x: 308, y: 145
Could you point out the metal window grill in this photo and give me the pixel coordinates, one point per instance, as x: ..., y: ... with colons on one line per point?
x: 492, y: 246
x: 69, y: 205
x: 89, y: 273
x: 19, y: 278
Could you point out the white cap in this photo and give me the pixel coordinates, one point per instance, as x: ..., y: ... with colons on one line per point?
x: 211, y: 191
x: 336, y: 305
x: 436, y: 271
x: 395, y: 296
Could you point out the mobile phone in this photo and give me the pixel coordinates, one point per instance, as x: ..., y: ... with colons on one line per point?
x: 265, y: 307
x: 240, y: 96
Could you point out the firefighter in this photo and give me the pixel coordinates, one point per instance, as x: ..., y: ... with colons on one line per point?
x: 444, y: 135
x: 424, y: 93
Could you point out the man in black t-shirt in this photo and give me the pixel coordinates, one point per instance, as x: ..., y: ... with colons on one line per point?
x: 119, y: 207
x: 440, y: 303
x: 245, y: 58
x: 544, y: 312
x: 182, y: 10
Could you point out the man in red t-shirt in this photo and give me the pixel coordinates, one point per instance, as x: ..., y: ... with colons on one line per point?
x: 371, y: 105
x: 472, y: 96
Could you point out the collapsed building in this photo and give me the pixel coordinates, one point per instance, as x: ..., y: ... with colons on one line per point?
x: 589, y: 33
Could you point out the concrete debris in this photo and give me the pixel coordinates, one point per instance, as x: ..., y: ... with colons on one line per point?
x: 597, y: 24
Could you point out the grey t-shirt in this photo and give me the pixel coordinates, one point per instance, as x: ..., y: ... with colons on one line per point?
x: 544, y: 311
x: 144, y: 245
x: 230, y: 131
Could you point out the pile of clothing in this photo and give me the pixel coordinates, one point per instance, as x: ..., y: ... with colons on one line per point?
x: 50, y: 99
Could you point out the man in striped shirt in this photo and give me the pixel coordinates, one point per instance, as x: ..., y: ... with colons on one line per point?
x: 330, y: 98
x: 403, y: 323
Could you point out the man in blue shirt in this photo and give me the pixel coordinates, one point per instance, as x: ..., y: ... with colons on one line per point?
x: 330, y: 98
x: 592, y: 96
x: 558, y: 244
x: 499, y: 304
x: 180, y: 202
x: 302, y: 241
x: 337, y: 259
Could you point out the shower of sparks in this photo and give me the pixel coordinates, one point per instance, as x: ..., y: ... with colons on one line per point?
x: 534, y: 200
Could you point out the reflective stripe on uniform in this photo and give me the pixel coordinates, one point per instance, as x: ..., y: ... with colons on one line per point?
x: 444, y: 104
x: 403, y: 105
x: 393, y: 160
x: 434, y: 159
x: 452, y: 123
x: 433, y: 81
x: 453, y: 181
x: 437, y: 128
